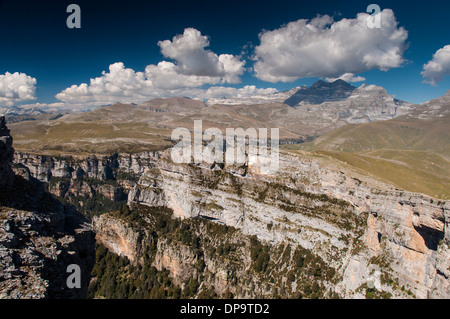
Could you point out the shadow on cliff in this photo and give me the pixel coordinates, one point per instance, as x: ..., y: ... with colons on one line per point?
x: 63, y: 224
x: 431, y: 237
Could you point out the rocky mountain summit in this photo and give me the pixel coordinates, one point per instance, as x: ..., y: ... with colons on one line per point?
x: 18, y: 114
x: 15, y: 111
x: 340, y: 101
x: 320, y: 92
x: 436, y: 108
x: 39, y: 236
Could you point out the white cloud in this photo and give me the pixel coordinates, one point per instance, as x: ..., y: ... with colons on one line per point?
x: 16, y: 87
x: 119, y: 84
x: 188, y: 50
x: 348, y: 77
x: 124, y: 85
x: 165, y: 76
x: 325, y: 48
x: 435, y: 70
x: 192, y: 68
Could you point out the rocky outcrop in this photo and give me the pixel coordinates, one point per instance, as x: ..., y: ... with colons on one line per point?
x: 39, y: 239
x: 6, y: 156
x: 119, y: 237
x: 77, y: 178
x: 44, y: 167
x: 36, y: 249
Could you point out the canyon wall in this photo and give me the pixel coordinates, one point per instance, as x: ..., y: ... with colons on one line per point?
x: 39, y: 237
x: 351, y: 221
x: 365, y: 230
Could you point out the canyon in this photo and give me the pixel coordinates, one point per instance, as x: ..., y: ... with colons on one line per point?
x: 349, y: 221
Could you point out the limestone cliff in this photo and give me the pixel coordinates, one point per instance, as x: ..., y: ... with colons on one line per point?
x: 44, y: 167
x: 82, y: 179
x: 356, y: 224
x: 350, y: 220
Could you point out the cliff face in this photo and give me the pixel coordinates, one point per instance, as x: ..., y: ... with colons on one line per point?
x: 209, y: 259
x: 39, y: 237
x: 359, y: 227
x: 78, y: 177
x: 6, y: 156
x: 352, y: 222
x: 44, y: 167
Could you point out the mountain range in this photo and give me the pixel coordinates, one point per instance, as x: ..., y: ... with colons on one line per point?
x: 364, y: 123
x: 411, y: 151
x: 149, y: 124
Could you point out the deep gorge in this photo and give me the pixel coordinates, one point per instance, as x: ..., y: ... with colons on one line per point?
x: 184, y: 230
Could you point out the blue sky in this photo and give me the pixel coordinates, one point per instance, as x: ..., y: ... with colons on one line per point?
x: 37, y: 42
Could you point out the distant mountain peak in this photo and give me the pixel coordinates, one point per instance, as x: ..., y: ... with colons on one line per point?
x: 16, y: 110
x: 277, y: 97
x: 340, y: 81
x: 319, y: 83
x: 320, y: 92
x: 336, y: 83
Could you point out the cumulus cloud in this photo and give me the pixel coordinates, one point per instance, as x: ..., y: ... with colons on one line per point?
x: 348, y: 77
x: 193, y: 66
x: 322, y: 47
x: 125, y: 85
x: 165, y: 76
x: 16, y: 87
x: 119, y: 84
x: 188, y: 50
x: 435, y: 70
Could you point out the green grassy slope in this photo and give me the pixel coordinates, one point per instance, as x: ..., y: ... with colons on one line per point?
x: 411, y: 154
x: 423, y: 135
